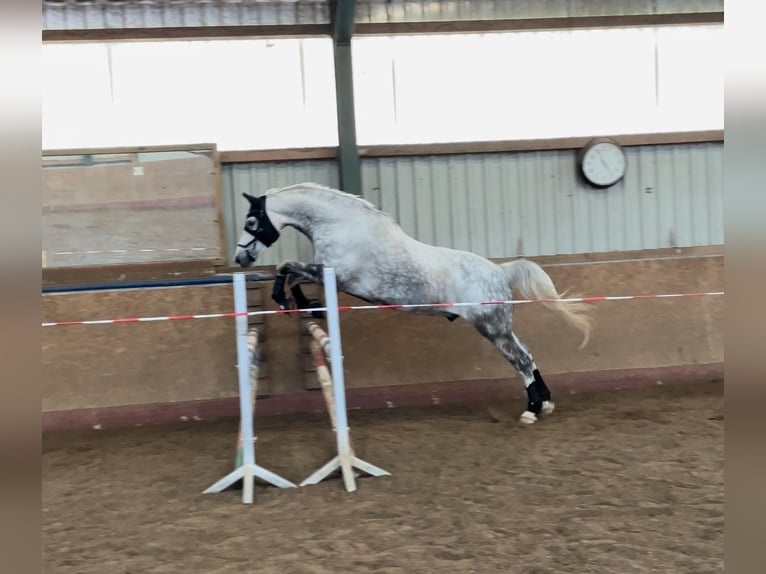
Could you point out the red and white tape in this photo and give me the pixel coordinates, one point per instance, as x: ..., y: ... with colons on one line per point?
x: 123, y: 251
x: 369, y: 307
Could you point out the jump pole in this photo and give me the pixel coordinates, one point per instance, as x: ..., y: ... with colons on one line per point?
x: 249, y: 470
x: 253, y: 361
x: 325, y: 380
x: 345, y: 460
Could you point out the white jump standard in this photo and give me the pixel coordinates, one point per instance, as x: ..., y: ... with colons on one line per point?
x: 249, y: 470
x: 345, y: 460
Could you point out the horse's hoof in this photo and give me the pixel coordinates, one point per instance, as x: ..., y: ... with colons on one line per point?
x: 528, y: 418
x: 548, y: 407
x: 316, y: 314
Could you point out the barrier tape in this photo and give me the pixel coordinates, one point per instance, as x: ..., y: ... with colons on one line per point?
x: 369, y: 307
x: 113, y: 251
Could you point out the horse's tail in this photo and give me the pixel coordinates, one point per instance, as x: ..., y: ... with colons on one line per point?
x: 530, y: 281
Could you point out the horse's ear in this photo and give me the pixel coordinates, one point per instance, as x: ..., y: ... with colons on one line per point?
x: 253, y: 200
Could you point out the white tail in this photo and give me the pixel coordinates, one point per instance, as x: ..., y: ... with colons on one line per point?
x: 530, y: 281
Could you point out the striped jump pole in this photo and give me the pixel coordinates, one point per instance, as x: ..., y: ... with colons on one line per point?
x: 248, y: 471
x: 325, y: 380
x: 253, y: 361
x: 320, y: 337
x: 345, y: 460
x: 83, y: 288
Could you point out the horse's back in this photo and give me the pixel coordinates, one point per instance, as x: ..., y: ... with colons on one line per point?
x: 462, y: 275
x: 376, y: 260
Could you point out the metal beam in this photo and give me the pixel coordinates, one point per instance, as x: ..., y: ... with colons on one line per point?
x: 349, y: 165
x: 343, y: 12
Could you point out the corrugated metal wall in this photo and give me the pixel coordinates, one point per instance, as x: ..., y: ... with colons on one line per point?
x: 530, y: 203
x: 502, y: 205
x: 430, y: 10
x: 97, y: 14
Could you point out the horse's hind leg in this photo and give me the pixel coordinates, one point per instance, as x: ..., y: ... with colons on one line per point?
x: 537, y: 391
x: 538, y: 394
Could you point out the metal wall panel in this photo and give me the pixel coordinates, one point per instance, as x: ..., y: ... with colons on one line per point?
x: 445, y: 10
x: 98, y: 14
x: 532, y: 203
x: 257, y: 178
x: 510, y: 204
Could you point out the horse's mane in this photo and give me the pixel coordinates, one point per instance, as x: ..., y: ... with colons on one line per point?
x: 332, y: 192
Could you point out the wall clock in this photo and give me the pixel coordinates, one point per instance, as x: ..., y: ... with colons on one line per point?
x: 602, y: 162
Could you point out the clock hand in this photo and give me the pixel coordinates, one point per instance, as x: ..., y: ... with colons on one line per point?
x: 603, y: 161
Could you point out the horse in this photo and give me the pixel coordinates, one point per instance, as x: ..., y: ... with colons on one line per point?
x: 377, y: 262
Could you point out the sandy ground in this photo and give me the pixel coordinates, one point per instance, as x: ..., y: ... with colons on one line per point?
x: 619, y: 482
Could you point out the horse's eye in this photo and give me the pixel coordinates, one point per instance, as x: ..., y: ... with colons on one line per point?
x: 251, y: 223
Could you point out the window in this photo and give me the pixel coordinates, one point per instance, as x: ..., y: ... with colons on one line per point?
x: 238, y: 94
x: 279, y: 93
x: 520, y: 85
x: 690, y: 72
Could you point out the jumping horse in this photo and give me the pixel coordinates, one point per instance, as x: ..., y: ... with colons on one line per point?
x: 376, y: 261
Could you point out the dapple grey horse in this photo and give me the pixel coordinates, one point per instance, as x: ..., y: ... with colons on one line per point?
x: 376, y: 261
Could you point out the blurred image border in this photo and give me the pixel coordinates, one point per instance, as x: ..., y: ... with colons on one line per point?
x: 745, y: 222
x: 20, y: 443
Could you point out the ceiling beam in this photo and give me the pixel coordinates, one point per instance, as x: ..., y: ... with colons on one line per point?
x: 346, y: 28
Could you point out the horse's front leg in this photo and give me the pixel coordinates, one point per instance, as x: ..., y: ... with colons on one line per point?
x: 299, y: 300
x: 309, y: 271
x: 291, y: 272
x: 278, y: 292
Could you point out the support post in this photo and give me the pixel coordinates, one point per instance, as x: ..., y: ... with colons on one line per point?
x: 346, y: 460
x: 249, y: 470
x: 349, y: 165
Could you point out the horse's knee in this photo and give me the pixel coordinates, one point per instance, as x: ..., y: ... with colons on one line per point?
x: 287, y: 267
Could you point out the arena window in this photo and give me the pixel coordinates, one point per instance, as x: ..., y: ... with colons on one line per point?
x: 543, y: 84
x: 239, y: 94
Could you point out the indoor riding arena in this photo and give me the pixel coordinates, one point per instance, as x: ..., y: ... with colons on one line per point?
x: 194, y: 421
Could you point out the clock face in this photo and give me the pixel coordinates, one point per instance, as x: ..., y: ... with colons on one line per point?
x: 603, y: 164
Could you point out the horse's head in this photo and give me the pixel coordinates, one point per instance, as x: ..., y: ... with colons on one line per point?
x: 258, y: 234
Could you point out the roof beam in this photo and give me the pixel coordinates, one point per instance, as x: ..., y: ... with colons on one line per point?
x: 378, y: 28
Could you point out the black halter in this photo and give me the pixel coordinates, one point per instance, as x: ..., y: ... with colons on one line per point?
x: 265, y: 232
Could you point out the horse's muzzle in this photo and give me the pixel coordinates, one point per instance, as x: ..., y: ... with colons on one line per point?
x: 244, y: 259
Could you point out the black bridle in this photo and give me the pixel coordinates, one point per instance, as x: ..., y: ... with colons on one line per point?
x: 264, y: 230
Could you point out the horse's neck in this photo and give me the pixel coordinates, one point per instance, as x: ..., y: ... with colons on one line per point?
x: 304, y: 211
